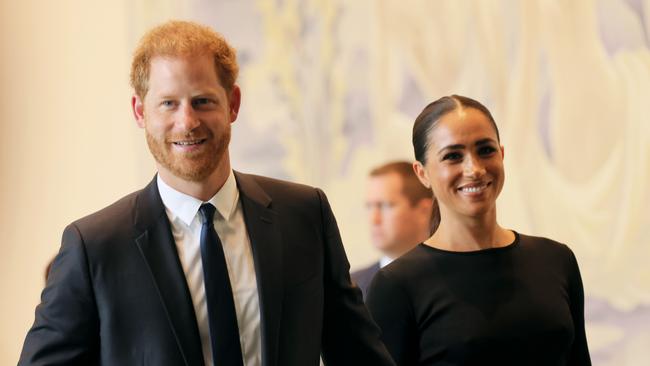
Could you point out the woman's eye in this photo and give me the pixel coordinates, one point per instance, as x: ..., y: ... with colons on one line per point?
x: 486, y: 150
x: 452, y: 156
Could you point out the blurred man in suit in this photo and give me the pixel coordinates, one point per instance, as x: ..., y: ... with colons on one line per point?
x: 401, y: 212
x: 205, y: 265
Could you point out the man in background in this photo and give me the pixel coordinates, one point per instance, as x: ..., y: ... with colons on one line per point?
x: 401, y: 212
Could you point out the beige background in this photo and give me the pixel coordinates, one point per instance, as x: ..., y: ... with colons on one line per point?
x: 69, y: 145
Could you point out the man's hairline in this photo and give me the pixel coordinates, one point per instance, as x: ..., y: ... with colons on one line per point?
x: 195, y: 53
x: 402, y: 189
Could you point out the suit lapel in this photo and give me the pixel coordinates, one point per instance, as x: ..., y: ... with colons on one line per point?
x: 158, y: 249
x: 262, y: 226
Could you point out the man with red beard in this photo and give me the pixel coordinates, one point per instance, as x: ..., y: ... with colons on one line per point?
x: 205, y: 265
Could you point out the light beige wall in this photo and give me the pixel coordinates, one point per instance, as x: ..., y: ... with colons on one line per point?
x: 69, y: 145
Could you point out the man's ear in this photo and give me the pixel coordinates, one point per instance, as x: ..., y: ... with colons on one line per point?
x: 421, y: 174
x: 503, y: 152
x: 234, y: 101
x: 137, y: 105
x: 425, y: 206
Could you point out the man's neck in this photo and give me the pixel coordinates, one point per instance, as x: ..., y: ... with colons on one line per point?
x: 202, y: 190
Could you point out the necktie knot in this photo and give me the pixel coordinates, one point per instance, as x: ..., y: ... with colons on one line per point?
x: 207, y: 213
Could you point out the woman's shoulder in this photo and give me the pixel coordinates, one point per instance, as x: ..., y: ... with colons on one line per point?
x: 400, y: 278
x: 412, y: 263
x: 539, y: 245
x: 540, y: 241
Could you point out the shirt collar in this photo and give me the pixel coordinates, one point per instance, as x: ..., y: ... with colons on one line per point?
x: 384, y: 261
x: 185, y: 207
x: 226, y: 199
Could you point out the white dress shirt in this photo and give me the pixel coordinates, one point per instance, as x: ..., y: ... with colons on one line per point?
x: 384, y: 261
x: 183, y: 213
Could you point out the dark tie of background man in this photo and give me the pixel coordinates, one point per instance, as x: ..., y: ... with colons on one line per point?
x: 224, y: 333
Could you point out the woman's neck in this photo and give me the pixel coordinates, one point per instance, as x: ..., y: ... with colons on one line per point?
x: 465, y: 234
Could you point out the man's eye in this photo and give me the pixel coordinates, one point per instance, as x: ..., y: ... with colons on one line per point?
x: 452, y: 156
x: 201, y: 102
x: 167, y: 103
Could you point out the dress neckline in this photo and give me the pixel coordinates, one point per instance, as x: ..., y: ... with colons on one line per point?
x: 508, y: 247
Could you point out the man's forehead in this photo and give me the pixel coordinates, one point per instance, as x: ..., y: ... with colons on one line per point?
x: 385, y: 184
x: 171, y: 63
x: 387, y: 178
x: 169, y: 75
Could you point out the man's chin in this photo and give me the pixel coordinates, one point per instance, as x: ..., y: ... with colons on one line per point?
x: 188, y: 167
x: 382, y: 247
x: 193, y: 175
x: 192, y: 171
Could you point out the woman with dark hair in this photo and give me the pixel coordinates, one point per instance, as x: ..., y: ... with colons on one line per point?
x: 476, y: 293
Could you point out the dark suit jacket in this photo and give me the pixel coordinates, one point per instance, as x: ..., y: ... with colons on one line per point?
x: 117, y: 294
x: 363, y: 277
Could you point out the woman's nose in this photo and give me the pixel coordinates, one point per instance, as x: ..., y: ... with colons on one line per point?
x: 474, y: 167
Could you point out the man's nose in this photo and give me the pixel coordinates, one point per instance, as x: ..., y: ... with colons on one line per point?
x: 375, y: 215
x: 187, y: 118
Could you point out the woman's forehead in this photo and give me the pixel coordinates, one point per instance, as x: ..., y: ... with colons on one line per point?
x: 461, y: 126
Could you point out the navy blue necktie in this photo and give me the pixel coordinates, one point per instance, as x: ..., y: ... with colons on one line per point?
x: 224, y: 333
